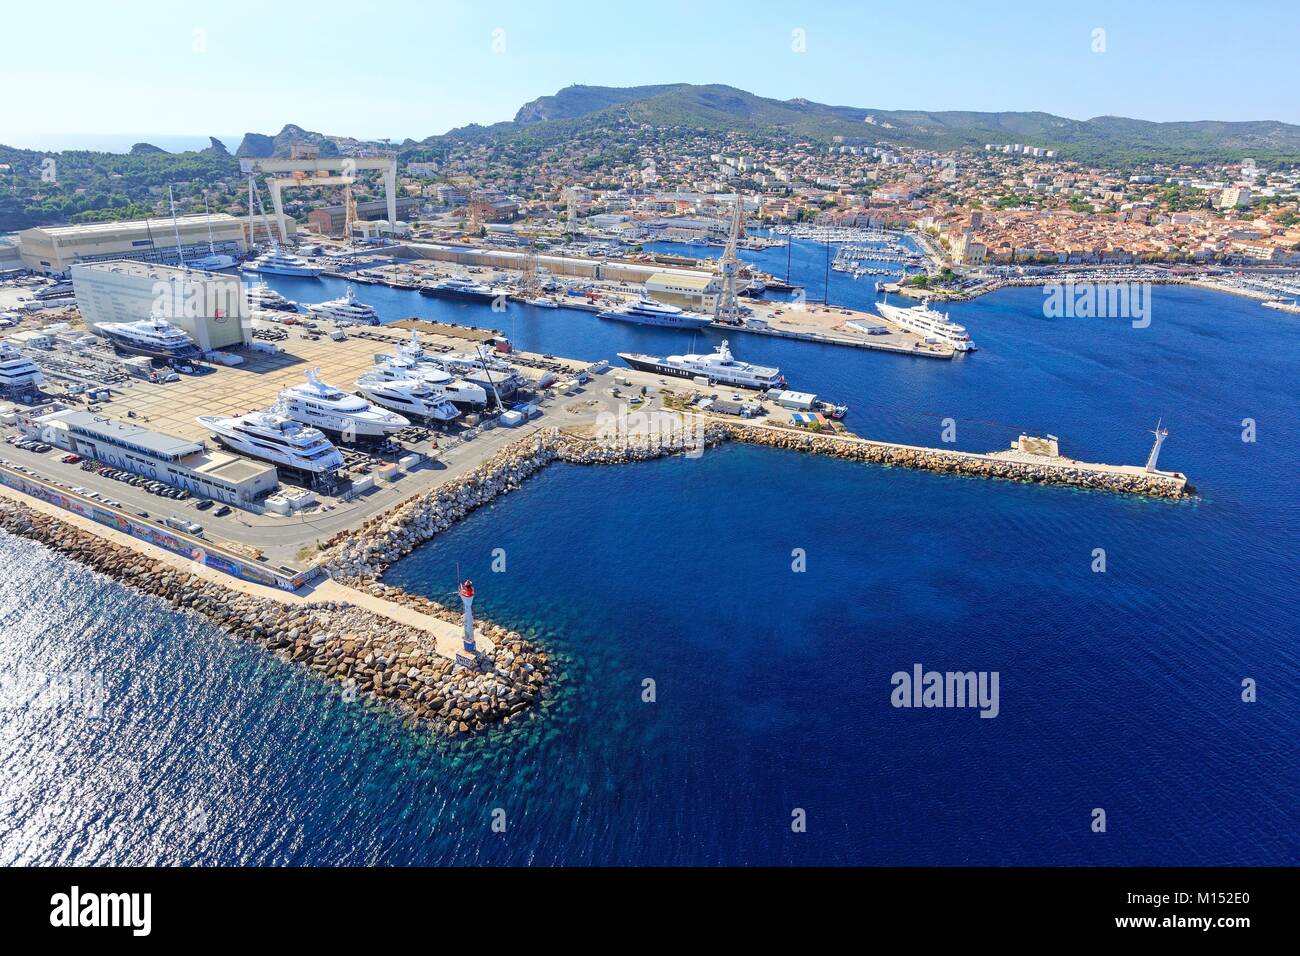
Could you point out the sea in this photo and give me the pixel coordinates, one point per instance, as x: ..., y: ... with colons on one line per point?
x: 730, y: 631
x: 114, y: 142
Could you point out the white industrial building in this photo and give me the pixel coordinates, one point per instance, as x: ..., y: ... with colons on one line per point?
x: 178, y: 462
x: 687, y: 290
x: 211, y: 307
x: 57, y: 248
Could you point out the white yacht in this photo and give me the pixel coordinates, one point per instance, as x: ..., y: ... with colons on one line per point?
x: 275, y: 437
x: 280, y: 263
x: 333, y: 410
x: 646, y: 311
x: 457, y: 391
x: 154, y: 337
x: 719, y: 367
x: 925, y: 321
x: 212, y: 263
x: 262, y: 296
x: 410, y: 395
x: 487, y: 371
x: 438, y: 370
x: 346, y: 310
x: 18, y: 373
x: 458, y: 287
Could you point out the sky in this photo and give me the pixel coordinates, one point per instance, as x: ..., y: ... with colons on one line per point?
x: 412, y: 68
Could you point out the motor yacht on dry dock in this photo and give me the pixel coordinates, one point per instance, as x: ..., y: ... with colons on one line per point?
x: 155, y: 337
x: 333, y: 410
x: 411, y: 396
x: 18, y: 373
x: 468, y: 378
x: 719, y: 367
x: 274, y: 436
x: 462, y: 394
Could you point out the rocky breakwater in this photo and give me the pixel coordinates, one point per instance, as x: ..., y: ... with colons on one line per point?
x: 366, y: 655
x: 1056, y: 471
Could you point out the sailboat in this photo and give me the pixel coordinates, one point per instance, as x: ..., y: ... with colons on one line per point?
x: 214, y: 261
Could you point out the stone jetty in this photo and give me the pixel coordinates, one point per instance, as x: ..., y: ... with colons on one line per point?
x: 361, y: 557
x: 1041, y: 470
x: 363, y: 653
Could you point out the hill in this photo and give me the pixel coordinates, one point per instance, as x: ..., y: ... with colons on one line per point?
x: 1103, y: 139
x: 260, y: 145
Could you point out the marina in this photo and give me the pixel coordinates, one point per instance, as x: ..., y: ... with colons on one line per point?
x: 652, y: 438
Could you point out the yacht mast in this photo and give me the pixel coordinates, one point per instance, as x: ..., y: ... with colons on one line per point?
x: 180, y: 256
x: 207, y: 215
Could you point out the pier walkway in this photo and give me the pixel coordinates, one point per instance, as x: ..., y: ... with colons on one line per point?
x: 446, y: 635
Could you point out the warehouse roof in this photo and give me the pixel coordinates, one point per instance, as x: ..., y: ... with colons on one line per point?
x: 157, y: 443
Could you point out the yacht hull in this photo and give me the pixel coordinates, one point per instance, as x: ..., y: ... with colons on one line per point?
x: 668, y: 322
x: 461, y: 295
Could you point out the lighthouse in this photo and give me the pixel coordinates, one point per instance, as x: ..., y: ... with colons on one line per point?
x: 467, y: 601
x: 1161, y: 434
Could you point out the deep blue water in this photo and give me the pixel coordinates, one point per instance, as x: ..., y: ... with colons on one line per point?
x: 1118, y: 690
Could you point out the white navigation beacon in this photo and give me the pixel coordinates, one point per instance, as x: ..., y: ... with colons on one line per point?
x: 469, y: 656
x: 1161, y: 434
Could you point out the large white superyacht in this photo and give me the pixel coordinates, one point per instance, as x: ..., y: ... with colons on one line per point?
x: 646, y: 311
x: 331, y: 409
x: 925, y: 321
x: 719, y: 367
x: 410, y: 395
x: 155, y: 337
x: 280, y: 263
x: 345, y: 310
x: 274, y: 436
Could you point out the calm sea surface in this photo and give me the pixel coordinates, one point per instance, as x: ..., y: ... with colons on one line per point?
x: 1119, y: 690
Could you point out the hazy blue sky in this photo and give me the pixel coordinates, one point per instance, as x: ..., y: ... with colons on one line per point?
x: 401, y: 69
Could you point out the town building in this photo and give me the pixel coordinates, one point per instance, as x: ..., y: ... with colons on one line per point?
x: 1233, y: 197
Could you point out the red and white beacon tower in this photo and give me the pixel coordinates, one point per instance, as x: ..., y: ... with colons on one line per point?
x: 467, y: 600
